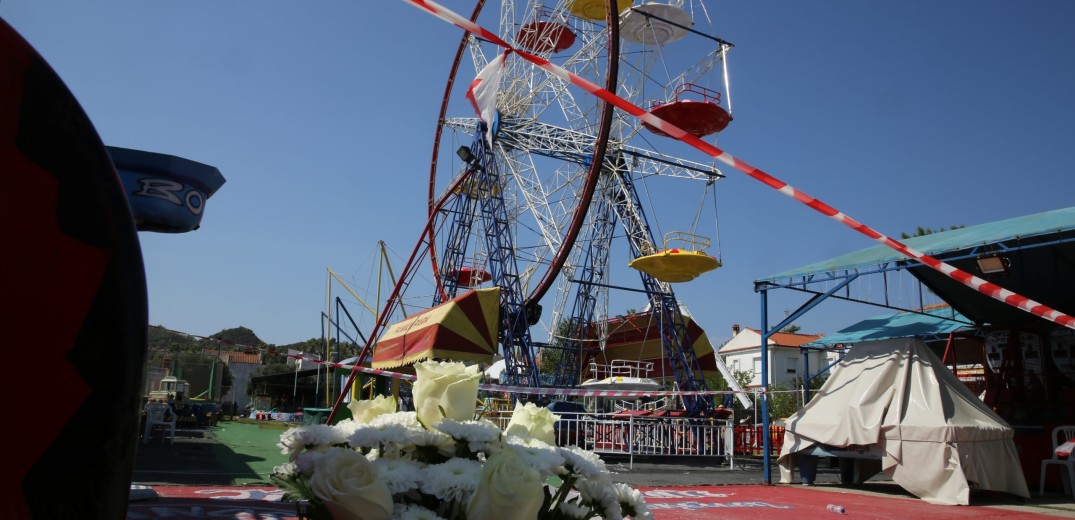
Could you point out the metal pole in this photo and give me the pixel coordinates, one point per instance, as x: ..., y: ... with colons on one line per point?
x: 295, y: 384
x: 765, y: 385
x: 729, y: 443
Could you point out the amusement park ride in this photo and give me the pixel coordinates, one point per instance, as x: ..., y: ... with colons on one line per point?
x: 528, y: 199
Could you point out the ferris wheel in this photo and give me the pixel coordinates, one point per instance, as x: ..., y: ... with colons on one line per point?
x: 532, y: 182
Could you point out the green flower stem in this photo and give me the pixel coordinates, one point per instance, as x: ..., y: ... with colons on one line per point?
x: 565, y: 488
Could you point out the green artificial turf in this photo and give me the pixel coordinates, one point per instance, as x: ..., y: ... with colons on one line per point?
x: 247, y: 451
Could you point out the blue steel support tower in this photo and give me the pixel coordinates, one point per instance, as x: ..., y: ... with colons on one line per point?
x: 481, y: 200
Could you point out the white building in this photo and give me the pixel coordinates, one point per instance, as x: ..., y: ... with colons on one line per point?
x: 743, y: 354
x: 242, y: 366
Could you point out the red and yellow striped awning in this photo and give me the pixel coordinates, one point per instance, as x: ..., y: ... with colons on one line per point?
x: 638, y: 338
x: 460, y: 329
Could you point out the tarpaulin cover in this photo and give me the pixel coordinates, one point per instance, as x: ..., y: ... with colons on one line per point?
x: 932, y: 325
x: 461, y: 329
x: 936, y: 438
x: 935, y: 244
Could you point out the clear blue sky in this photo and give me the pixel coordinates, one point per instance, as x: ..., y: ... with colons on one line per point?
x: 321, y: 115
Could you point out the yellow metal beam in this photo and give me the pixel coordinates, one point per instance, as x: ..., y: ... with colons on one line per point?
x: 332, y: 274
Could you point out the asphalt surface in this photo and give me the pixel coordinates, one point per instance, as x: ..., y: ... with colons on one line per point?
x: 200, y: 458
x: 191, y: 460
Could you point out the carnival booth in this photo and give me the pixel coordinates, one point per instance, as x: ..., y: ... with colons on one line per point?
x: 895, y: 403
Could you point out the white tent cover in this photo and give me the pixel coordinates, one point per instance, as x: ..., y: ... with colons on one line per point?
x: 495, y: 370
x: 937, y: 439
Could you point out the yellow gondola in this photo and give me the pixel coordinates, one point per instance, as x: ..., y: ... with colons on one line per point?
x: 593, y: 10
x: 673, y: 264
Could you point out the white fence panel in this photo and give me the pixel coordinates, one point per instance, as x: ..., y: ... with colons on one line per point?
x: 665, y: 437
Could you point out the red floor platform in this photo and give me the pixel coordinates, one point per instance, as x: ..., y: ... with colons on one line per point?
x: 667, y: 503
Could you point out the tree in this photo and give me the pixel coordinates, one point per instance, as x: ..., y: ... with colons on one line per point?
x: 785, y: 400
x: 239, y: 336
x: 552, y: 356
x: 161, y: 338
x: 921, y: 231
x: 172, y: 350
x: 742, y: 377
x: 791, y: 328
x: 268, y: 370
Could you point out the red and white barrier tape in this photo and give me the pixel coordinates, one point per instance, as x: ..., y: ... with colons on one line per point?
x: 987, y: 288
x: 572, y: 392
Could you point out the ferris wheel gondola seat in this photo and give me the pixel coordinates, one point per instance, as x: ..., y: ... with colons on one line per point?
x: 698, y: 118
x: 593, y: 10
x: 470, y: 277
x: 473, y: 187
x: 625, y: 383
x: 543, y: 36
x: 655, y: 24
x: 675, y: 265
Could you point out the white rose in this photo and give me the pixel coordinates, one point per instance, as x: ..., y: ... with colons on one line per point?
x: 508, y: 489
x: 350, y: 486
x: 531, y: 421
x: 452, y: 387
x: 364, y: 410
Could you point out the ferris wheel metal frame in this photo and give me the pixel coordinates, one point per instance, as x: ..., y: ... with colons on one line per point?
x: 500, y: 179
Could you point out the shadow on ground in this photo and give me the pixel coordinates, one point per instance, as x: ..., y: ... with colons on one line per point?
x: 229, y: 454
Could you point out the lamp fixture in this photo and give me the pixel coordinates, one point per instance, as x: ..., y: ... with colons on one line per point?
x: 994, y: 264
x: 466, y: 155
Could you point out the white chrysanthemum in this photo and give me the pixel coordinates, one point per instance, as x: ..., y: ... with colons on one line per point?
x: 400, y: 475
x: 632, y: 503
x: 392, y: 436
x: 294, y: 440
x: 346, y: 427
x: 413, y: 512
x: 366, y: 437
x: 573, y: 510
x: 445, y: 444
x: 479, y: 435
x: 404, y: 419
x: 537, y: 454
x: 454, y: 479
x: 602, y: 495
x: 420, y: 437
x: 394, y: 432
x: 287, y: 468
x: 306, y: 461
x: 583, y: 463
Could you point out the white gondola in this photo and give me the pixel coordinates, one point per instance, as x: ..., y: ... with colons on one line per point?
x: 654, y: 24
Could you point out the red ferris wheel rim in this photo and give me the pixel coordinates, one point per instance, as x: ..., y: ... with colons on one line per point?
x: 432, y: 206
x: 592, y: 176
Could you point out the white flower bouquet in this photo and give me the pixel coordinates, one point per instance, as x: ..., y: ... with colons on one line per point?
x: 438, y: 462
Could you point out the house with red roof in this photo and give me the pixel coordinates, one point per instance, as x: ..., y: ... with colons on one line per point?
x: 742, y: 353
